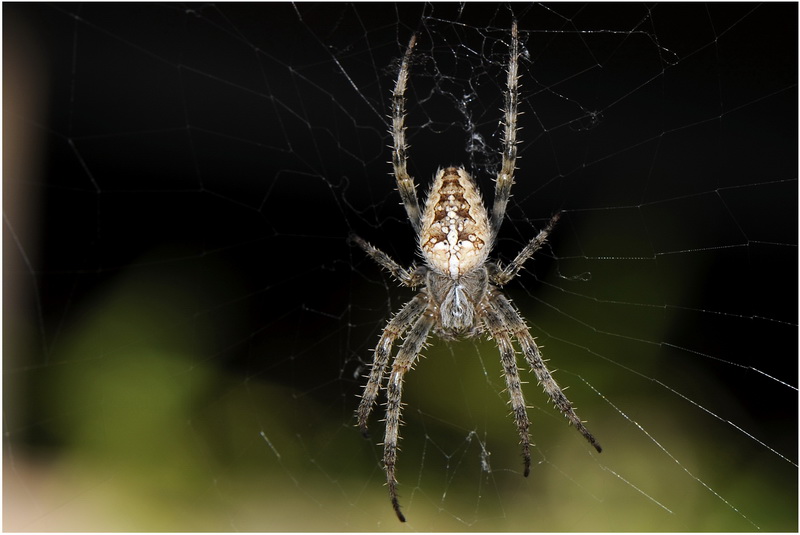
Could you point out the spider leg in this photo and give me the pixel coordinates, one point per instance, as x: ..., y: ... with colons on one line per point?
x: 505, y: 274
x: 405, y: 183
x: 406, y: 277
x: 505, y: 178
x: 394, y: 329
x: 501, y: 335
x: 405, y: 359
x: 516, y: 325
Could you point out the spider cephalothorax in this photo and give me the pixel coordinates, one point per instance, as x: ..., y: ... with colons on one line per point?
x: 460, y: 295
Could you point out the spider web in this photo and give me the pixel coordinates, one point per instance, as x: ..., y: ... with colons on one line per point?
x: 187, y: 329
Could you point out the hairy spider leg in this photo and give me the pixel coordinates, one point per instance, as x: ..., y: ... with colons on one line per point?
x: 398, y: 325
x: 494, y: 322
x: 505, y: 179
x: 406, y: 277
x: 504, y: 275
x: 409, y: 351
x: 511, y: 317
x: 405, y: 183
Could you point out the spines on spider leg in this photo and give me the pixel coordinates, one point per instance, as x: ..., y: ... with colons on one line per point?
x: 380, y: 360
x: 500, y: 334
x: 393, y: 407
x: 504, y: 275
x: 516, y: 325
x: 519, y: 411
x: 552, y: 389
x: 505, y: 178
x: 405, y: 183
x: 394, y: 390
x: 393, y: 330
x: 407, y: 277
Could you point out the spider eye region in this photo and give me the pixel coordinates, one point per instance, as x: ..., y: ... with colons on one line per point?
x: 454, y: 237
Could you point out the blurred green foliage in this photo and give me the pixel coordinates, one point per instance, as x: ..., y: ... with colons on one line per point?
x: 151, y: 437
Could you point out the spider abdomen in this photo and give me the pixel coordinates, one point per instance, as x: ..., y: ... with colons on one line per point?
x: 454, y: 235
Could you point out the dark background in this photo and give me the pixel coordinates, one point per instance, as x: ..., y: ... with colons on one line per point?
x: 179, y: 183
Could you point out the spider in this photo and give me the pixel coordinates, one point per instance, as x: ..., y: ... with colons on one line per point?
x: 460, y: 295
